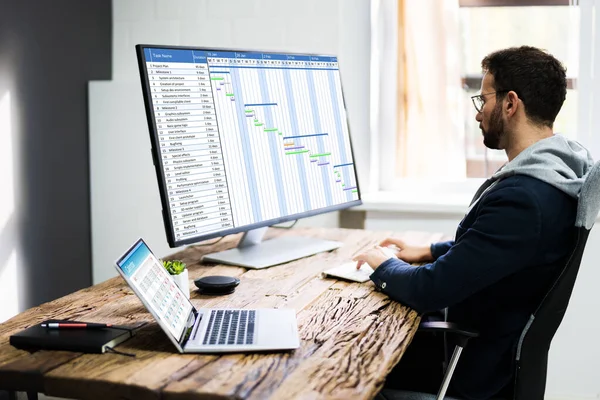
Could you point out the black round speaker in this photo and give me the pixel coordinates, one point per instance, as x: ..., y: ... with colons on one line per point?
x: 216, y: 285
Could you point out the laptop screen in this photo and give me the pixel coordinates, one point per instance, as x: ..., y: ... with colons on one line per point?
x: 152, y: 283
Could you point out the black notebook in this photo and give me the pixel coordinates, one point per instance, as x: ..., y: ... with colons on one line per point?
x: 80, y: 340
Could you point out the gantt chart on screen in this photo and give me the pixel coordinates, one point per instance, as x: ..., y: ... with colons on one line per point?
x: 248, y: 137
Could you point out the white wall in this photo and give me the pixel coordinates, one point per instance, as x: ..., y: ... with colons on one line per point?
x: 9, y: 213
x: 125, y: 199
x: 574, y: 359
x: 575, y: 352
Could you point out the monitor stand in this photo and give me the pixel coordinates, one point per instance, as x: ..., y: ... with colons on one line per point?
x: 253, y: 253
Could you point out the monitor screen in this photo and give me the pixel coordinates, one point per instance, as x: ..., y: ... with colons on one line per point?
x: 245, y: 139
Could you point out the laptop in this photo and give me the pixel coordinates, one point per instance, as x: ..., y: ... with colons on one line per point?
x: 203, y: 330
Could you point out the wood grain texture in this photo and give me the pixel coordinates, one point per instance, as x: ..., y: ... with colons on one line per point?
x: 351, y: 335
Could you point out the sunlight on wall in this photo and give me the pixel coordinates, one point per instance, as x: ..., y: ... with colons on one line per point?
x: 8, y: 255
x: 8, y: 284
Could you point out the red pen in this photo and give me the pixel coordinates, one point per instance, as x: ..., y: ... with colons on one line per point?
x: 75, y: 325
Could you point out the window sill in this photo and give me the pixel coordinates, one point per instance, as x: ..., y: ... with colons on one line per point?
x: 423, y: 196
x: 416, y: 202
x: 430, y: 199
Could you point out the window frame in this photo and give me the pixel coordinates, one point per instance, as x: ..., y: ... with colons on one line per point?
x: 384, y: 130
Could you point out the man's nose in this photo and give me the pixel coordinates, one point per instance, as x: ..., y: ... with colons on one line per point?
x: 479, y: 117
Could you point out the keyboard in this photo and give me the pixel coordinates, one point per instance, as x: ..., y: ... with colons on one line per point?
x: 230, y: 327
x: 349, y: 272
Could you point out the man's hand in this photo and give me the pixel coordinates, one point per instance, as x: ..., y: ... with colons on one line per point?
x: 410, y: 254
x: 374, y: 257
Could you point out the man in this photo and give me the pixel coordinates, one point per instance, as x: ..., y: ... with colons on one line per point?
x: 516, y: 235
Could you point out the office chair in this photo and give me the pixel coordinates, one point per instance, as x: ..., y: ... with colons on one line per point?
x: 532, y: 350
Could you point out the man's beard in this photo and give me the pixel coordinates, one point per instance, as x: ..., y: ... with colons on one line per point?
x: 495, y: 131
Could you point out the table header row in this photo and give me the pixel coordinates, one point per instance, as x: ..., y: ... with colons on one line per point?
x: 201, y: 56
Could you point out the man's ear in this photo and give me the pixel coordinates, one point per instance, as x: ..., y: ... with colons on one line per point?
x: 512, y: 103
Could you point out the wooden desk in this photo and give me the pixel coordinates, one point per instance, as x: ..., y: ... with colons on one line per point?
x: 351, y: 336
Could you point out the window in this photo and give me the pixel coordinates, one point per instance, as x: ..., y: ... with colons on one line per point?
x: 431, y: 51
x: 550, y: 25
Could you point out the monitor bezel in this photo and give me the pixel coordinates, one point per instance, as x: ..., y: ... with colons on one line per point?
x: 166, y: 214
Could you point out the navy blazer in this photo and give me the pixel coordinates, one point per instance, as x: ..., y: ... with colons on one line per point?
x: 507, y: 251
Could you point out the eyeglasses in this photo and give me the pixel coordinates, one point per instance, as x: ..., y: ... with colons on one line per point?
x: 479, y: 100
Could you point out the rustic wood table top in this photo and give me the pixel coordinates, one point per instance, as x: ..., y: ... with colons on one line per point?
x: 351, y: 335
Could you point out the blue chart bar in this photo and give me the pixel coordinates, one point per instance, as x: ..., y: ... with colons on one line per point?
x: 343, y: 165
x: 259, y: 104
x: 301, y: 136
x: 350, y: 188
x: 220, y: 72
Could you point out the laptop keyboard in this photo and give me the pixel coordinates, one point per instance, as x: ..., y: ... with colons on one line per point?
x: 230, y: 327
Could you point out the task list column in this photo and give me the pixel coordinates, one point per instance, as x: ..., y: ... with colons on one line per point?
x: 189, y: 143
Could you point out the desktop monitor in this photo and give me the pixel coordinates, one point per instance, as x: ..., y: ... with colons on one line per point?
x: 242, y: 140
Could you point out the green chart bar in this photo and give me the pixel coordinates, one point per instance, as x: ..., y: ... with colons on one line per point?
x: 216, y: 79
x: 297, y: 152
x: 321, y: 155
x: 271, y: 130
x: 261, y: 124
x: 249, y: 111
x: 354, y: 191
x: 229, y: 94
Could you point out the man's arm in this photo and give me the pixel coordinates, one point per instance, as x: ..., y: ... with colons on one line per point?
x: 502, y: 240
x: 440, y: 248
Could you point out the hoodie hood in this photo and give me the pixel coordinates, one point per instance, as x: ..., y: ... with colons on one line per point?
x: 556, y: 160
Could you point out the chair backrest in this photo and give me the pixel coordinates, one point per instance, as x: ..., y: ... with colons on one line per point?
x: 532, y: 351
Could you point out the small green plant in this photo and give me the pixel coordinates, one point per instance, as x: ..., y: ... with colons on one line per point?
x: 174, y: 267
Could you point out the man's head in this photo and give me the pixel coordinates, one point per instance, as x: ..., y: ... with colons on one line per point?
x: 521, y: 86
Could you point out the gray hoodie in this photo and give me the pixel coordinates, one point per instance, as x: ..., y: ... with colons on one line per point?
x: 556, y: 160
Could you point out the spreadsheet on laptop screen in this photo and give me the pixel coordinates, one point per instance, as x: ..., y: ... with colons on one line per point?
x: 152, y: 281
x: 247, y: 137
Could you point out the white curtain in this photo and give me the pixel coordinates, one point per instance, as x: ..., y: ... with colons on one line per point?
x: 417, y: 70
x: 588, y: 80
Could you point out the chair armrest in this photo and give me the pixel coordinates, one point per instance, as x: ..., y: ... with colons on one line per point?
x: 461, y: 336
x: 435, y: 316
x: 447, y: 327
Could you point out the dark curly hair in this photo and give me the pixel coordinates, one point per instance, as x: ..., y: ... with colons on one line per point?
x: 537, y: 77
